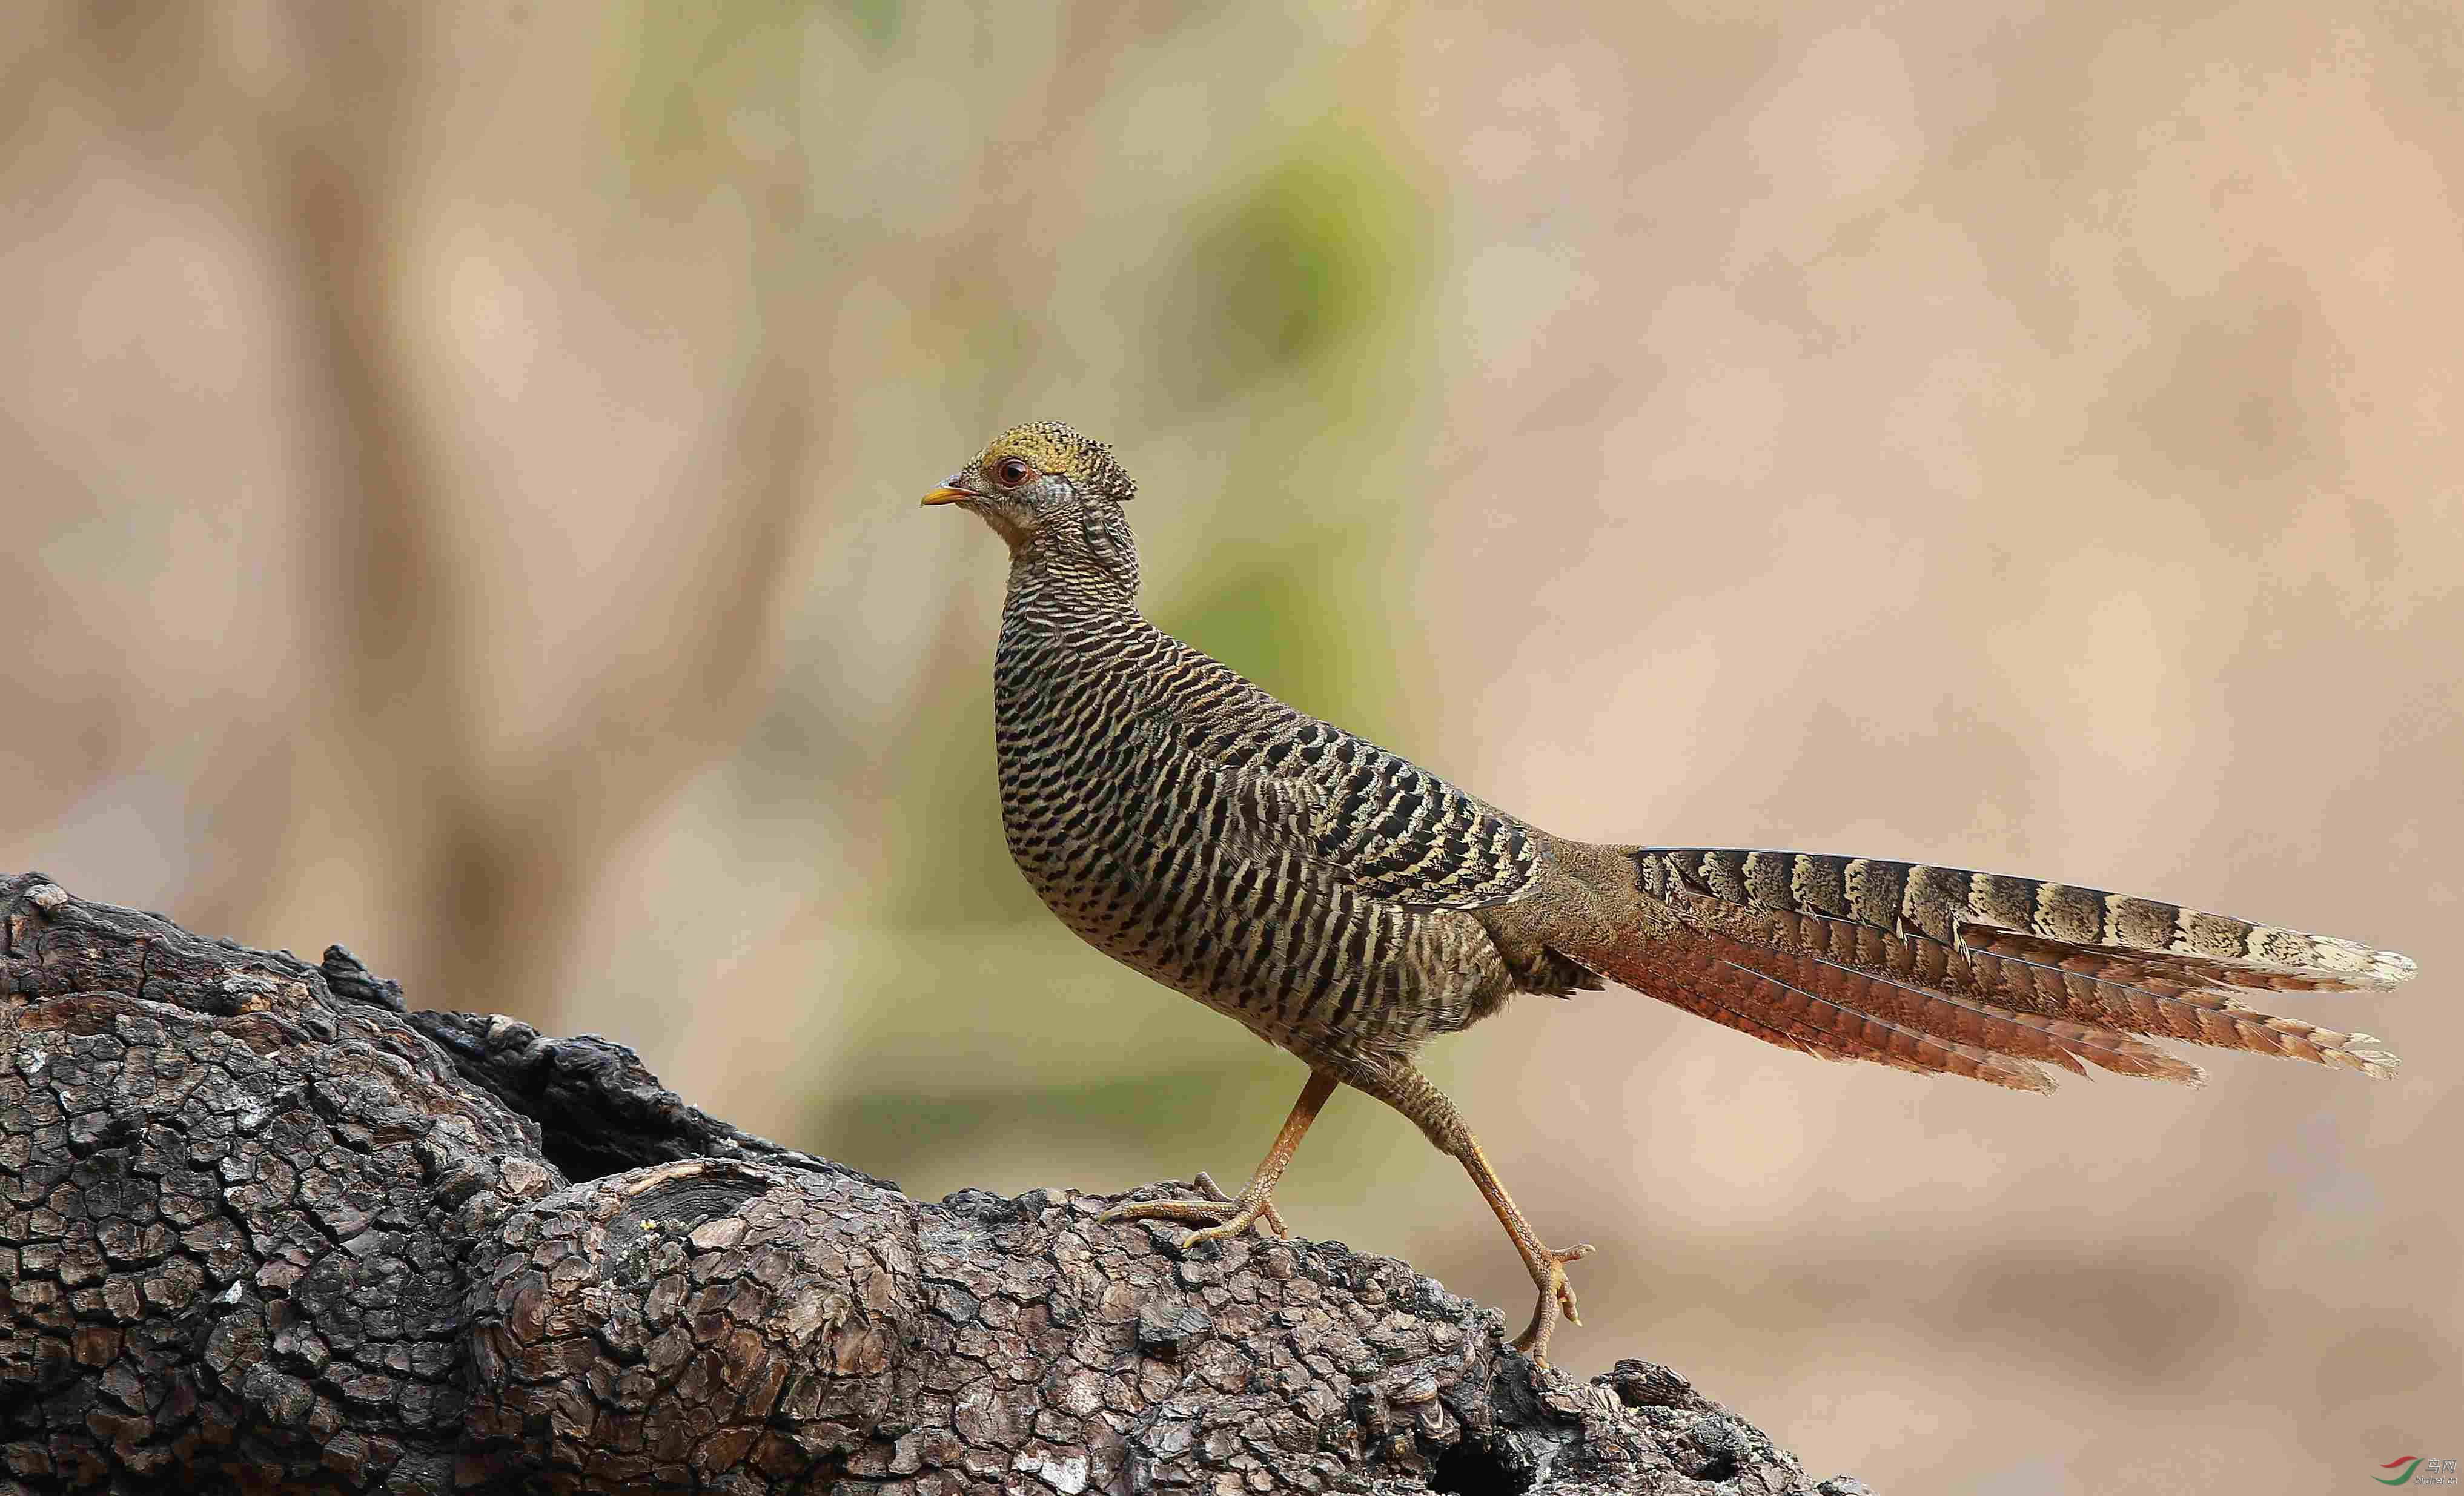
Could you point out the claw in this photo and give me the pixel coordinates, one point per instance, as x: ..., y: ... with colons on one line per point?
x: 1556, y: 1300
x: 1267, y: 1204
x: 1220, y: 1219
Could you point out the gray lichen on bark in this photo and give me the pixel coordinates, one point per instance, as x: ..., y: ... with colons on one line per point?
x: 265, y: 1228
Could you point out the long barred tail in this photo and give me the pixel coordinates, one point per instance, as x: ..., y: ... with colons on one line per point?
x: 1939, y: 969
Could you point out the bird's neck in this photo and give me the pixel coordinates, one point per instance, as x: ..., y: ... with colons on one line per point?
x: 1063, y: 630
x: 1058, y: 591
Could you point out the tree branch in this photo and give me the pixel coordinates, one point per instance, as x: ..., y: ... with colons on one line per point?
x: 266, y: 1228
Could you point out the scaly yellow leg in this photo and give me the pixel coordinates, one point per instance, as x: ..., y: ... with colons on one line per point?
x: 1255, y: 1205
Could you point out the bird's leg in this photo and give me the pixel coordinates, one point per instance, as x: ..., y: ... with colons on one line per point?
x: 1408, y: 1091
x: 1255, y: 1205
x: 1547, y: 1265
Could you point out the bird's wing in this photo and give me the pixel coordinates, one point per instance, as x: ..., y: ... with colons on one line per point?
x: 1366, y: 817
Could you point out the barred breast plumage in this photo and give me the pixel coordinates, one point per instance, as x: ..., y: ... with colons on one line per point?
x: 1314, y: 886
x: 1347, y: 905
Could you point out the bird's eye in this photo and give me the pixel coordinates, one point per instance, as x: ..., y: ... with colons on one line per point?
x: 1011, y: 471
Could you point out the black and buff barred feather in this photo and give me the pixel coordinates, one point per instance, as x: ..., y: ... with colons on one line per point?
x: 1274, y: 866
x: 2025, y: 951
x: 1348, y: 905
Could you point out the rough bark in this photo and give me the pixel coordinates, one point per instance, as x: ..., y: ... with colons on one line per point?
x: 265, y: 1229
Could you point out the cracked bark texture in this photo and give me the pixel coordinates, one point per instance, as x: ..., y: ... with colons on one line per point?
x: 264, y: 1228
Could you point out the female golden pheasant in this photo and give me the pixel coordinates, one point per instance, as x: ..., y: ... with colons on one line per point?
x: 1347, y: 905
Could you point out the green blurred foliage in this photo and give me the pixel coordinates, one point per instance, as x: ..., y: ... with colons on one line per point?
x: 684, y: 73
x: 1305, y: 270
x: 877, y: 20
x: 1160, y: 1105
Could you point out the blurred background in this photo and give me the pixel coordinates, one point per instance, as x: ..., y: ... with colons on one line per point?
x: 462, y: 473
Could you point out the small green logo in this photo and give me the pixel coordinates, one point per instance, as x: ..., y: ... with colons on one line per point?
x: 2416, y: 1471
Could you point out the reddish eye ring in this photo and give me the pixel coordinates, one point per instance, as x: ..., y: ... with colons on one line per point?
x: 1010, y: 472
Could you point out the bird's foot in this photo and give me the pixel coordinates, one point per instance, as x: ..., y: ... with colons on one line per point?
x: 1220, y: 1216
x: 1557, y: 1300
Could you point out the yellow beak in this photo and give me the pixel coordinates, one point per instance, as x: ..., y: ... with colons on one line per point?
x: 947, y: 496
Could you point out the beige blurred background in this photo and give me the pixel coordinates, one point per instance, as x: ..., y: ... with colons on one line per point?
x: 461, y: 467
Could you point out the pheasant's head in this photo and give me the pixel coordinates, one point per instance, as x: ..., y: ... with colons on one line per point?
x: 1054, y: 496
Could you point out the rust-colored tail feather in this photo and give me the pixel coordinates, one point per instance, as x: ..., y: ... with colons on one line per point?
x: 1979, y: 975
x: 2147, y: 995
x: 1744, y: 988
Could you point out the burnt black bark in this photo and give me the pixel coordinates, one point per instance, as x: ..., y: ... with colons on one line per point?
x: 265, y: 1228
